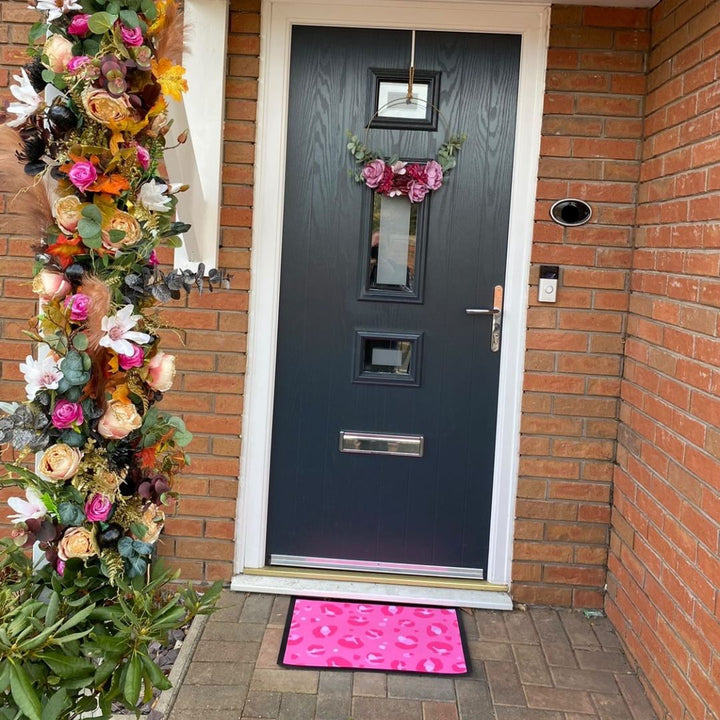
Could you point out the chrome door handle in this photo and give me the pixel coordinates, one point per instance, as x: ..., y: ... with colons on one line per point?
x: 496, y: 312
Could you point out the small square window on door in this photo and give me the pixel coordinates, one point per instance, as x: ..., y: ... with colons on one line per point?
x: 391, y: 107
x: 387, y: 358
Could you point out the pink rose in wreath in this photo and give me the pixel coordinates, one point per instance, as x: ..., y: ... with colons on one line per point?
x: 67, y: 414
x: 374, y: 172
x: 417, y: 191
x: 433, y: 175
x: 82, y: 175
x: 98, y: 508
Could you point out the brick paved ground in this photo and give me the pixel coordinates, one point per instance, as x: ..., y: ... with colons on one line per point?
x: 541, y: 664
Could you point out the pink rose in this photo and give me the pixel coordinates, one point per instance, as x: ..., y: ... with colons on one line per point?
x: 153, y: 259
x: 433, y: 174
x: 82, y: 175
x: 98, y: 508
x: 417, y: 191
x: 161, y: 371
x: 79, y: 25
x: 79, y: 305
x: 77, y: 62
x: 58, y: 51
x: 143, y: 157
x: 50, y: 285
x: 67, y: 414
x: 60, y: 566
x: 132, y: 361
x: 373, y: 173
x: 131, y: 36
x: 119, y: 420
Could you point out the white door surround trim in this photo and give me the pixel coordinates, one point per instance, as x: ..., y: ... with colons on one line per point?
x: 531, y: 22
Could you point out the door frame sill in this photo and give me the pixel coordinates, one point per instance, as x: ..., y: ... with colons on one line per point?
x: 417, y: 590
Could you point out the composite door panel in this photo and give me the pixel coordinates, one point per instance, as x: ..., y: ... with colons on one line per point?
x: 428, y: 514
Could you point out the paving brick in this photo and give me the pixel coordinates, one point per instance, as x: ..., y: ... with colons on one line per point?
x: 230, y: 607
x: 504, y: 683
x: 606, y: 635
x: 290, y: 681
x: 370, y: 684
x: 487, y: 650
x: 210, y: 697
x: 233, y: 652
x: 491, y: 625
x: 473, y: 700
x: 578, y: 629
x: 516, y: 713
x: 279, y: 610
x: 469, y: 626
x: 558, y: 699
x: 635, y: 697
x: 234, y: 632
x: 262, y: 705
x: 547, y: 624
x: 598, y: 660
x: 439, y: 711
x: 590, y: 680
x: 269, y: 648
x: 531, y: 665
x: 334, y: 698
x: 367, y: 708
x: 294, y: 706
x: 257, y: 608
x: 610, y: 707
x: 219, y: 673
x: 419, y: 687
x: 560, y: 653
x: 520, y: 628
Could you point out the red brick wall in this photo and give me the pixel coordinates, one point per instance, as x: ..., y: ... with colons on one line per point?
x: 591, y: 149
x: 664, y: 563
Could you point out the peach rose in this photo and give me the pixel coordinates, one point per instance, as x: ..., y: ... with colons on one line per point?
x: 59, y: 53
x: 77, y: 542
x: 104, y: 108
x: 154, y: 520
x: 107, y: 482
x: 161, y: 371
x: 119, y: 420
x: 60, y: 462
x: 68, y: 213
x: 128, y: 224
x: 50, y: 285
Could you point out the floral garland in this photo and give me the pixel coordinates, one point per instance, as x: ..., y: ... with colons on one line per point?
x: 392, y: 177
x: 108, y: 457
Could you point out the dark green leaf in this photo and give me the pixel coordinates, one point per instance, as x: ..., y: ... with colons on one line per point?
x: 116, y: 235
x: 131, y: 690
x: 66, y: 666
x: 55, y: 705
x: 91, y: 47
x: 48, y: 75
x: 130, y: 18
x: 37, y: 32
x: 173, y: 241
x: 88, y: 228
x: 71, y: 514
x: 92, y: 212
x: 23, y: 692
x: 148, y: 9
x: 125, y: 547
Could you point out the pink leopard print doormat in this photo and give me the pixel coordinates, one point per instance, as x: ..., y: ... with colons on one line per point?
x: 373, y: 636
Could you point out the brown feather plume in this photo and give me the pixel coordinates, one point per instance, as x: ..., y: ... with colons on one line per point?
x: 25, y: 196
x: 99, y: 294
x: 170, y: 39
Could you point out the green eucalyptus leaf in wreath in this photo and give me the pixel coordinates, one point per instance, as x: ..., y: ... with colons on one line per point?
x: 92, y: 212
x: 130, y: 18
x: 100, y: 22
x: 125, y: 547
x: 88, y: 228
x: 80, y: 341
x: 70, y: 514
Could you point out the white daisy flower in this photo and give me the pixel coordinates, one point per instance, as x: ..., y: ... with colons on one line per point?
x: 40, y: 375
x: 31, y: 509
x: 152, y: 196
x: 55, y: 8
x: 119, y: 333
x: 28, y: 100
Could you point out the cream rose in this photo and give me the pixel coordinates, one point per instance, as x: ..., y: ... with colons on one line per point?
x: 59, y: 53
x: 77, y: 542
x: 104, y: 108
x: 68, y: 213
x: 154, y: 520
x: 119, y: 420
x: 161, y: 371
x: 128, y: 224
x: 50, y: 285
x: 60, y: 462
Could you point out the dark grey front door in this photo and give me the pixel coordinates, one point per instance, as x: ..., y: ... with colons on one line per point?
x: 366, y: 350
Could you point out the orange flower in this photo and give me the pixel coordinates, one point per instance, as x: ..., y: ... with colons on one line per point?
x: 64, y: 249
x: 147, y: 457
x: 170, y: 78
x: 114, y: 184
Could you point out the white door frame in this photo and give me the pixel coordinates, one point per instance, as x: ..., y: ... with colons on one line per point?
x: 531, y: 22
